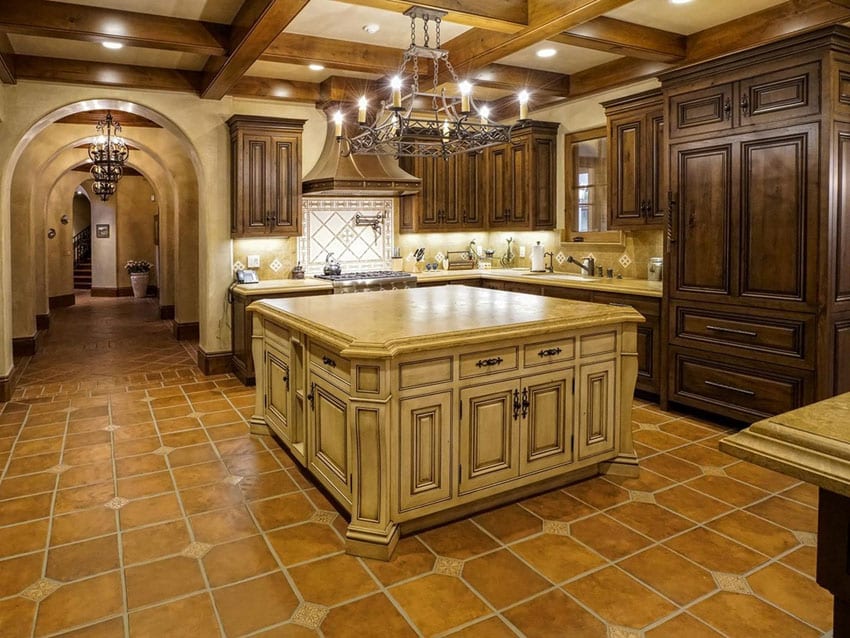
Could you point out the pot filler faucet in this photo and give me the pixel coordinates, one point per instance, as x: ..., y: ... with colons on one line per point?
x: 587, y: 264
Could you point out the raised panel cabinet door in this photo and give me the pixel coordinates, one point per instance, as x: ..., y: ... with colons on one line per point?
x: 447, y: 216
x: 656, y: 187
x: 779, y: 215
x: 328, y: 448
x: 649, y: 355
x: 706, y: 110
x: 285, y: 186
x: 498, y: 185
x: 704, y: 195
x: 256, y: 176
x: 429, y: 212
x: 779, y: 96
x: 842, y: 232
x: 521, y: 180
x: 546, y: 421
x: 543, y: 213
x: 489, y: 435
x: 425, y: 462
x: 597, y: 418
x: 468, y: 189
x: 278, y: 400
x: 627, y: 168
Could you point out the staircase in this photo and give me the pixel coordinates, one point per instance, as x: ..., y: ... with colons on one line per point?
x: 82, y: 274
x: 82, y: 259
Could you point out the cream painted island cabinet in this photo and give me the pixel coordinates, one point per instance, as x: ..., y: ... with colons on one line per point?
x: 414, y: 407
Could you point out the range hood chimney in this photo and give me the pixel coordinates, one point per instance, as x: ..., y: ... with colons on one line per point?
x: 355, y: 175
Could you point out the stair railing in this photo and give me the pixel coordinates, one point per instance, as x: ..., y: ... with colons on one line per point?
x: 82, y: 246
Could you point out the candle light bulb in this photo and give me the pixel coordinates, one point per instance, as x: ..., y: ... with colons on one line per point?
x: 484, y: 112
x: 338, y: 124
x: 361, y: 110
x: 445, y: 130
x: 523, y: 105
x: 395, y: 83
x: 465, y: 90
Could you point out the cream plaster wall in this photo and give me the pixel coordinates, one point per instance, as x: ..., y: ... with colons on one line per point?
x: 60, y: 249
x: 134, y: 226
x: 82, y: 213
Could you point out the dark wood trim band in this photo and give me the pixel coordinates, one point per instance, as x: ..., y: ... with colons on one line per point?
x: 166, y: 312
x: 214, y: 362
x: 42, y: 322
x: 190, y: 331
x: 24, y: 346
x: 61, y: 301
x: 7, y: 385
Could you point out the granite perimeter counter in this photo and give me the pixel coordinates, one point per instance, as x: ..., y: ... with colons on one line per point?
x: 812, y: 443
x: 413, y: 407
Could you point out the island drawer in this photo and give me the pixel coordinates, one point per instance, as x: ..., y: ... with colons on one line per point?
x: 277, y: 335
x: 734, y: 389
x: 783, y: 336
x: 417, y: 374
x: 329, y: 362
x: 483, y: 362
x: 541, y: 353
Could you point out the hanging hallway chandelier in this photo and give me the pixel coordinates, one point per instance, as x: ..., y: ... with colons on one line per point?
x: 425, y: 123
x: 108, y: 153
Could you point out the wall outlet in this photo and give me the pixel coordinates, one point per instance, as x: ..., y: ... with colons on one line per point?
x: 522, y: 251
x: 253, y: 261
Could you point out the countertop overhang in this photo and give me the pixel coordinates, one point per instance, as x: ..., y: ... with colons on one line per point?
x: 395, y: 322
x: 811, y: 443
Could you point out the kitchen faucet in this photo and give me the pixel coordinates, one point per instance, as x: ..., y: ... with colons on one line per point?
x: 550, y: 267
x: 587, y: 264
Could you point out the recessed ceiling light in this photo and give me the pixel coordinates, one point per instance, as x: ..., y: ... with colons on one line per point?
x: 545, y: 53
x: 316, y: 67
x: 112, y: 45
x: 371, y: 28
x: 679, y: 1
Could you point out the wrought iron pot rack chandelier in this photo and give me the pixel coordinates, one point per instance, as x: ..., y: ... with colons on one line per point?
x: 108, y: 154
x: 425, y: 123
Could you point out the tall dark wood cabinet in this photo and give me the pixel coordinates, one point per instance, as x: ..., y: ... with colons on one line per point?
x: 637, y: 197
x: 758, y: 269
x: 265, y: 161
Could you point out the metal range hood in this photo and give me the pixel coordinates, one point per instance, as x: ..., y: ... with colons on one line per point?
x: 356, y: 175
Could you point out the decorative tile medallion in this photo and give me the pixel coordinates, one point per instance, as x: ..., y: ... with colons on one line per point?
x: 448, y: 566
x: 58, y: 469
x: 732, y: 582
x: 711, y: 470
x: 195, y: 415
x: 116, y: 503
x: 641, y: 497
x: 238, y: 265
x: 558, y: 528
x: 622, y: 632
x: 40, y: 589
x: 624, y: 260
x: 164, y: 450
x: 439, y: 257
x: 112, y: 428
x: 309, y: 615
x: 322, y: 516
x: 234, y: 479
x: 196, y: 550
x: 807, y: 538
x: 650, y: 426
x: 276, y: 265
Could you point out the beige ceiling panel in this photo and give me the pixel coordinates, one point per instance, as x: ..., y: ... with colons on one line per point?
x: 299, y: 73
x: 341, y: 21
x: 690, y: 17
x: 567, y: 59
x: 222, y: 11
x: 93, y: 52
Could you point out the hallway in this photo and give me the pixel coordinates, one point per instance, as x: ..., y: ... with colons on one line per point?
x: 133, y: 502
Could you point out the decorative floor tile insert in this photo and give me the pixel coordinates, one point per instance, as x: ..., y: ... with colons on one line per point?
x: 112, y: 428
x: 309, y: 615
x: 732, y: 582
x: 556, y: 527
x: 58, y: 469
x: 448, y: 566
x: 196, y: 550
x: 807, y: 538
x: 711, y: 470
x: 322, y: 516
x: 116, y: 503
x: 164, y: 450
x: 234, y: 479
x: 622, y: 632
x: 40, y: 589
x: 642, y: 497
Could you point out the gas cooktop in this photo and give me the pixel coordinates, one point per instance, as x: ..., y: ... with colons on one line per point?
x: 365, y: 275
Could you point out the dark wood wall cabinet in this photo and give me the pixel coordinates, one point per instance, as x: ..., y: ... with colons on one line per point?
x: 265, y: 160
x: 637, y: 197
x: 758, y: 285
x: 509, y: 186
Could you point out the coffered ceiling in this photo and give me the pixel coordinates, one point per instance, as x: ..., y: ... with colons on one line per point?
x: 263, y: 48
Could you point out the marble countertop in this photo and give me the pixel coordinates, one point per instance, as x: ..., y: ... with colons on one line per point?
x: 640, y: 287
x: 418, y: 319
x: 811, y: 443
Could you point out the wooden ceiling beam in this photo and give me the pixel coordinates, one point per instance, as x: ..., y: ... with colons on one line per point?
x: 626, y: 38
x: 506, y: 16
x: 272, y: 88
x: 477, y: 48
x: 96, y: 24
x: 255, y: 27
x: 514, y: 79
x: 7, y: 60
x: 292, y: 48
x: 102, y: 74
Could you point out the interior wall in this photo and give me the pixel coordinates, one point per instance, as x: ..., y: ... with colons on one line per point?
x: 63, y: 200
x: 81, y: 208
x: 135, y: 207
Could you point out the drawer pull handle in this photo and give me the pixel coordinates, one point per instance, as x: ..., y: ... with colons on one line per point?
x: 286, y: 381
x: 525, y: 403
x: 731, y: 388
x: 329, y: 362
x: 486, y: 363
x: 549, y: 352
x: 746, y: 333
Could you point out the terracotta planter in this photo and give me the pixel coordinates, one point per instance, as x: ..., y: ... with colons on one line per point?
x: 139, y: 281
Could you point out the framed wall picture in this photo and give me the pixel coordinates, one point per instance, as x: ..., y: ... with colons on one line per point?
x: 101, y: 231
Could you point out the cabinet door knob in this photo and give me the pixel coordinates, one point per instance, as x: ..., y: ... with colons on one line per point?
x: 727, y: 108
x: 286, y: 381
x: 745, y: 105
x: 329, y: 362
x: 310, y: 396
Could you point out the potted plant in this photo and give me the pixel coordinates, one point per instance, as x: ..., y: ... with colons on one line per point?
x: 139, y: 271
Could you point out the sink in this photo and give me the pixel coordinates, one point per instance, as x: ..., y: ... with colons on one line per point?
x: 563, y: 276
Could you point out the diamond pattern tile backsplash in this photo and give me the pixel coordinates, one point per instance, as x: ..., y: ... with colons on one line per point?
x: 330, y: 226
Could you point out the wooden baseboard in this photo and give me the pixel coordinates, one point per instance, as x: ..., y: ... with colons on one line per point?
x: 105, y: 292
x: 7, y: 385
x: 187, y: 331
x: 166, y: 312
x: 61, y: 301
x: 24, y: 346
x: 214, y: 362
x: 42, y: 322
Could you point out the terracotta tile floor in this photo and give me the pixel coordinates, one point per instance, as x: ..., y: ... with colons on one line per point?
x: 133, y: 502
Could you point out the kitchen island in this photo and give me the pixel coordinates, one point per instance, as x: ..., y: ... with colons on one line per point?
x: 812, y: 443
x: 414, y: 407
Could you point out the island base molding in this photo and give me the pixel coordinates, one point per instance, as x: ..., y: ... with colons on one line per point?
x: 833, y: 567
